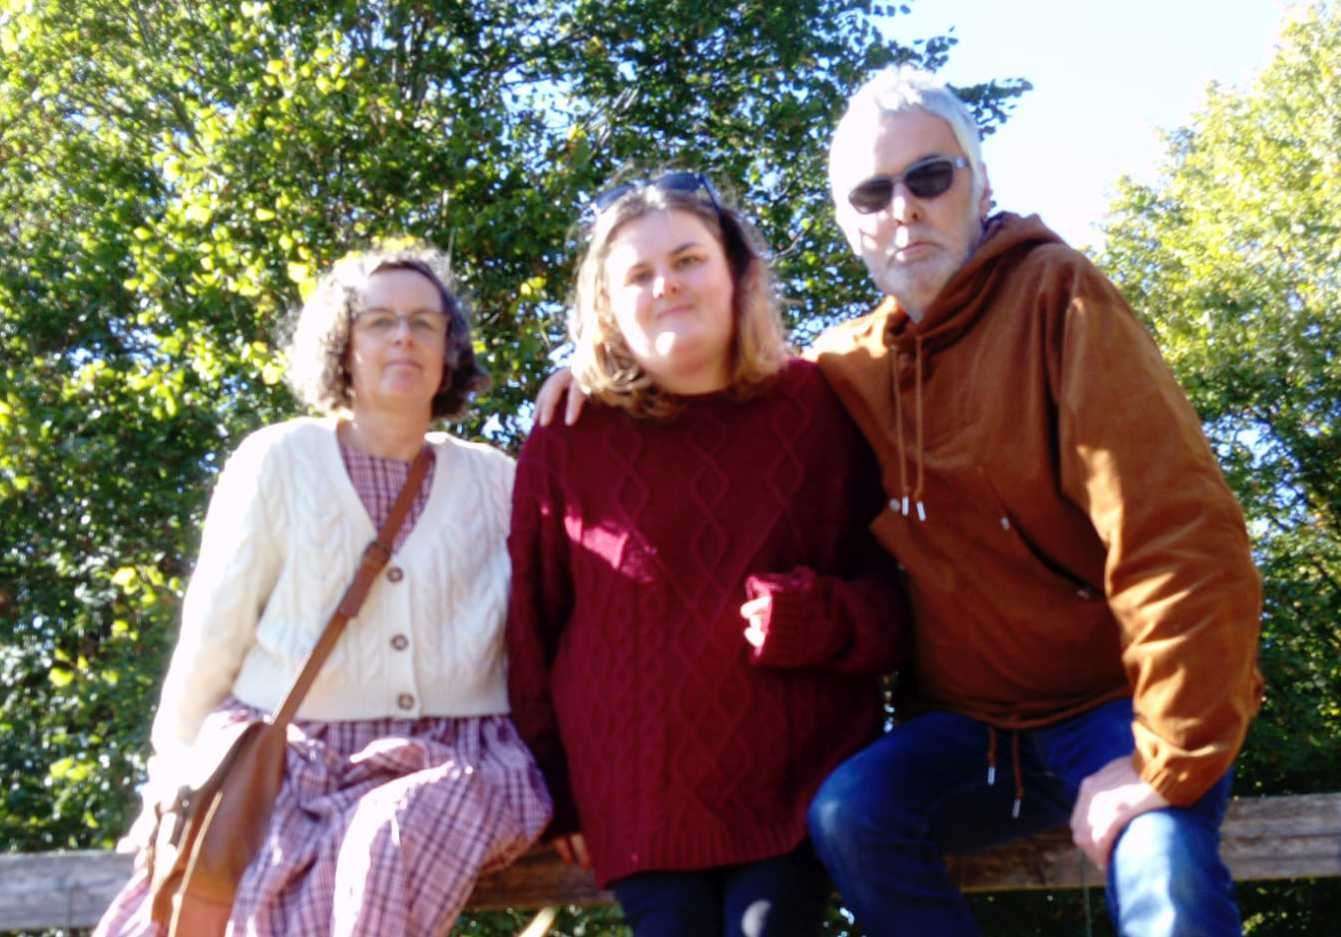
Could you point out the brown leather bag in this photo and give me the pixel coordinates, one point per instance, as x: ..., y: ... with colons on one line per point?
x: 207, y: 834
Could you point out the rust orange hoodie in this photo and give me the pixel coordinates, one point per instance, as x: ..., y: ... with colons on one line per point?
x: 1067, y: 535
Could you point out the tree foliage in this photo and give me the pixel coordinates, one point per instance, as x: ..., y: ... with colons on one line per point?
x: 172, y: 175
x: 1234, y: 255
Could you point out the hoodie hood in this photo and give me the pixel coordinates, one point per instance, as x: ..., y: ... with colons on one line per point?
x: 970, y: 292
x: 911, y: 347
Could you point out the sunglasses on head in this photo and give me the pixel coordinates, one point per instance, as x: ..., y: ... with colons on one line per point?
x: 675, y: 181
x: 926, y: 178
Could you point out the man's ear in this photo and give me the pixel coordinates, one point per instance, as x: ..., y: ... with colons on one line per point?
x: 985, y: 199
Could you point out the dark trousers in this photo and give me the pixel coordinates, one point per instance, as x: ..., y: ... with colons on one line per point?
x: 780, y: 897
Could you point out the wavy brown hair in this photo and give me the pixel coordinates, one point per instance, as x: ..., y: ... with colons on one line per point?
x: 602, y: 362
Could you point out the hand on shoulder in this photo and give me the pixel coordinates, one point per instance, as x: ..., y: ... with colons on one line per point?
x: 559, y: 386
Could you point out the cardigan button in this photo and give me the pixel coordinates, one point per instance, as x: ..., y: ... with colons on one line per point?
x: 405, y: 701
x: 400, y: 642
x: 395, y: 574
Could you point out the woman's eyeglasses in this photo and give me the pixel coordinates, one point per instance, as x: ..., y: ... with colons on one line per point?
x: 676, y: 181
x: 383, y: 323
x: 927, y: 178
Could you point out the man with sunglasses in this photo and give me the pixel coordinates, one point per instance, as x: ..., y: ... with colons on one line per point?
x: 1085, y: 601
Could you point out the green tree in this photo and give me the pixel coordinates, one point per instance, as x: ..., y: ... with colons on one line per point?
x: 171, y: 177
x: 1234, y: 256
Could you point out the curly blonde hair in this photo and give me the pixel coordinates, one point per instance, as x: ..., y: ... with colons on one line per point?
x: 318, y: 349
x: 604, y: 366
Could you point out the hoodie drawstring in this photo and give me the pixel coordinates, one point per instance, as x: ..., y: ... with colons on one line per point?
x: 991, y: 757
x: 1019, y: 780
x: 898, y: 431
x: 921, y: 449
x: 1015, y: 758
x: 908, y: 501
x: 1015, y: 813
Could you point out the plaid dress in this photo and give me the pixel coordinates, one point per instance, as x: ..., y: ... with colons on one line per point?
x: 382, y: 825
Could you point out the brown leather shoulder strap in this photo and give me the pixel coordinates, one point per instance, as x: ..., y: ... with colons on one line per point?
x: 375, y: 557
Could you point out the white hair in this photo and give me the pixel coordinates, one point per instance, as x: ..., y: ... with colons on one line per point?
x: 900, y: 90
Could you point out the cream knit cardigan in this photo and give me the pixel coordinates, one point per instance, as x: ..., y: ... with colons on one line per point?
x: 282, y: 537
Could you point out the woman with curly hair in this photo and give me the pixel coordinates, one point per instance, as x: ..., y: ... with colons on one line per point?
x: 404, y: 778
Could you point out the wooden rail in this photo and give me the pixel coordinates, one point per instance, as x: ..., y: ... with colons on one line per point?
x: 1262, y: 838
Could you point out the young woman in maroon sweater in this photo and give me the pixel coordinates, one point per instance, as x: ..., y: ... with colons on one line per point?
x: 699, y: 618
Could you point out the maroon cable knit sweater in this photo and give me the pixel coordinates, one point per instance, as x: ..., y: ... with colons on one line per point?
x: 664, y: 737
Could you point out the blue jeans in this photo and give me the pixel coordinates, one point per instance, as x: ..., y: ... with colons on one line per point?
x: 785, y: 896
x: 884, y: 820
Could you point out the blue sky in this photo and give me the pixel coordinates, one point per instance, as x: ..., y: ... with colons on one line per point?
x: 1107, y: 78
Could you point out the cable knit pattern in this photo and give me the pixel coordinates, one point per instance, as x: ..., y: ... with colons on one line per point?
x: 662, y: 735
x: 282, y: 537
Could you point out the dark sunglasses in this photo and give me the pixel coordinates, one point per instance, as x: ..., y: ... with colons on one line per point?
x: 925, y: 179
x: 676, y: 181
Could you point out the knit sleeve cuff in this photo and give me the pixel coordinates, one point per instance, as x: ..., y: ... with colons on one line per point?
x: 798, y: 632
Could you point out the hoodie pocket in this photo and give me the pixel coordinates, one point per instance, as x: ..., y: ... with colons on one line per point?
x: 1025, y: 546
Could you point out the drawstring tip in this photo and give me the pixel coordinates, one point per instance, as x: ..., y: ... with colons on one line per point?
x: 921, y: 512
x: 905, y: 505
x: 991, y: 775
x: 1015, y: 810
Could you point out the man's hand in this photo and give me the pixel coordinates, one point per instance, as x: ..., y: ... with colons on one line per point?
x: 1108, y: 800
x: 573, y: 850
x: 547, y: 401
x: 755, y: 612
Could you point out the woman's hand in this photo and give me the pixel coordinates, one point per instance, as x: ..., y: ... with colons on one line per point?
x: 755, y: 612
x: 547, y: 401
x: 573, y: 850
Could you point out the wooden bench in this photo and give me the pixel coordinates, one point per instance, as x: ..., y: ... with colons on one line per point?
x: 1264, y: 838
